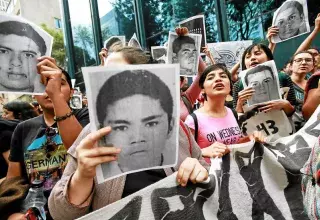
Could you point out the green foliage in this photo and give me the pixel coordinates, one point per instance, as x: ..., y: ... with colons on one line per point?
x: 58, y: 49
x: 83, y: 40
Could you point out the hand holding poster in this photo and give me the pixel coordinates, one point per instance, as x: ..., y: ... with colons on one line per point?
x: 22, y: 42
x: 229, y: 53
x: 254, y: 181
x: 184, y: 50
x: 291, y: 19
x: 138, y: 102
x: 196, y: 25
x: 264, y: 80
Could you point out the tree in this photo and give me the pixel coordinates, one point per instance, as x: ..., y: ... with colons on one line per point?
x: 83, y: 38
x: 58, y: 49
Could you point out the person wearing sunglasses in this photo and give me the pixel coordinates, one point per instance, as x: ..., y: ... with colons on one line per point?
x: 39, y: 145
x: 302, y: 64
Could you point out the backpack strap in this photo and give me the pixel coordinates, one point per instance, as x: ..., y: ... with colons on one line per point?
x: 195, y: 119
x: 183, y: 126
x: 235, y: 114
x: 187, y: 103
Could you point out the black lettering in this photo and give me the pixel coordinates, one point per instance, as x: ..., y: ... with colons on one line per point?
x: 221, y: 134
x: 41, y: 163
x: 54, y: 160
x: 262, y: 127
x: 34, y: 165
x: 62, y: 158
x: 271, y: 125
x: 211, y: 137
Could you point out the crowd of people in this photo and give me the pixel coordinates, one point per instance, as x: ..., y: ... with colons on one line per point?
x: 33, y: 133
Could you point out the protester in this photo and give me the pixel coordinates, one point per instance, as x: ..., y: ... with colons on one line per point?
x: 312, y: 96
x: 39, y: 145
x: 302, y: 63
x: 13, y: 113
x: 36, y: 107
x: 215, y: 125
x: 77, y: 193
x: 254, y: 55
x: 310, y: 183
x: 6, y: 130
x: 308, y: 41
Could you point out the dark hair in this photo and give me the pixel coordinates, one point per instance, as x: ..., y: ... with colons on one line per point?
x: 249, y: 49
x: 111, y: 42
x: 23, y: 30
x: 300, y: 52
x: 68, y: 78
x: 35, y: 104
x: 179, y: 41
x: 291, y: 4
x: 133, y: 82
x: 21, y: 110
x: 134, y: 55
x: 258, y: 69
x: 211, y: 68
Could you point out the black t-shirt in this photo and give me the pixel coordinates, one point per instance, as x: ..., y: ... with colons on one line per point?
x: 137, y: 181
x: 314, y: 82
x: 41, y: 150
x: 6, y: 130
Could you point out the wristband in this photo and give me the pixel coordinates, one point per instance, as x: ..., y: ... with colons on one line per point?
x: 64, y: 117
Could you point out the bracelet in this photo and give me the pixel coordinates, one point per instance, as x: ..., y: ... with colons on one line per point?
x: 64, y: 117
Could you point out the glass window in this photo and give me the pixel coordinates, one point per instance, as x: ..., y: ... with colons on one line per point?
x: 116, y: 18
x: 82, y: 37
x: 57, y: 23
x: 162, y: 17
x: 251, y: 19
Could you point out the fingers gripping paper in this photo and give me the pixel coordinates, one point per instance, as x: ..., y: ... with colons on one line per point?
x: 254, y: 181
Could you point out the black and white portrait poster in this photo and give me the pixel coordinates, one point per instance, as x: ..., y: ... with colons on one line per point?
x: 196, y: 25
x: 134, y: 42
x: 229, y: 53
x: 184, y: 50
x: 255, y: 181
x: 159, y: 54
x: 139, y: 103
x: 264, y: 80
x: 291, y: 19
x: 21, y: 43
x: 120, y: 40
x: 76, y: 101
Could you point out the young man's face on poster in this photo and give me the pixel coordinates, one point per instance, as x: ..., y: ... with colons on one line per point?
x: 289, y: 22
x: 263, y: 84
x: 18, y: 59
x: 187, y: 56
x: 142, y: 134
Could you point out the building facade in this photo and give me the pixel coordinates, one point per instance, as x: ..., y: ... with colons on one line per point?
x: 47, y: 12
x: 4, y: 5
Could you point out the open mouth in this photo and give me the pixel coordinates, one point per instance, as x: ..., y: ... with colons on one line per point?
x: 254, y: 64
x: 16, y: 76
x: 219, y: 86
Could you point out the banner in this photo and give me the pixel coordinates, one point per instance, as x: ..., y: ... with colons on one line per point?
x: 254, y: 181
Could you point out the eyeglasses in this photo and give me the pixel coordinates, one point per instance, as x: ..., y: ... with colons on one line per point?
x: 307, y: 60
